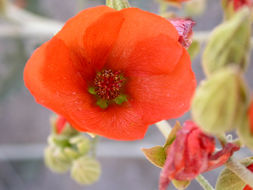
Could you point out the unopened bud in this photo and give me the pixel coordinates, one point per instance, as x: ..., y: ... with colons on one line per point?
x: 56, y: 160
x: 60, y: 126
x: 220, y: 102
x: 229, y: 44
x: 195, y: 7
x: 2, y: 7
x: 85, y: 170
x: 117, y: 4
x: 81, y: 143
x: 244, y: 132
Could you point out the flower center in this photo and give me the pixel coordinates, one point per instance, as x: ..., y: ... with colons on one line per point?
x: 108, y: 84
x: 107, y: 88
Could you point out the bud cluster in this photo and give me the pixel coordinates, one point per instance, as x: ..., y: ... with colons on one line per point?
x: 221, y: 102
x: 69, y: 150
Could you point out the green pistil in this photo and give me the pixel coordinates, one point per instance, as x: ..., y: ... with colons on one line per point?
x: 120, y: 99
x: 92, y: 91
x: 102, y: 103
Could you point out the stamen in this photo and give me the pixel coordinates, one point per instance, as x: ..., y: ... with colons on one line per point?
x: 108, y: 84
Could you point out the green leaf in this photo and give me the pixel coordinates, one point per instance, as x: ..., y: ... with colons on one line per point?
x: 181, y: 185
x: 156, y: 155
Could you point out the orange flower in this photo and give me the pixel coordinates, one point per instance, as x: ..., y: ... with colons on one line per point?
x: 113, y: 73
x: 251, y: 117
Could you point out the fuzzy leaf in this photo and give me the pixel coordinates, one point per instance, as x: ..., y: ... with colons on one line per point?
x: 156, y: 155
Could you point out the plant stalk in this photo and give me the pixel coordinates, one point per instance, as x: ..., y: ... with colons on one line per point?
x: 204, y: 183
x: 240, y: 170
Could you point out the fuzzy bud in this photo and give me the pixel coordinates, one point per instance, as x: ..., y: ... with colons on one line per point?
x: 85, y: 170
x: 56, y: 160
x: 229, y: 44
x: 220, y: 102
x: 244, y: 132
x: 117, y: 4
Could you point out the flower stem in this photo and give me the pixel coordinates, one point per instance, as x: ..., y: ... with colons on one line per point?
x: 164, y: 127
x: 94, y: 143
x: 204, y: 183
x: 240, y: 170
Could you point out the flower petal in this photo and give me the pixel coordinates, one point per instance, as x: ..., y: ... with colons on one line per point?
x: 73, y: 31
x: 164, y: 96
x: 157, y: 55
x: 52, y: 79
x: 139, y: 26
x: 120, y: 123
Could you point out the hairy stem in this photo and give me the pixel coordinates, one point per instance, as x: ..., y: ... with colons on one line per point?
x: 204, y: 183
x: 94, y: 143
x: 240, y: 170
x: 164, y: 127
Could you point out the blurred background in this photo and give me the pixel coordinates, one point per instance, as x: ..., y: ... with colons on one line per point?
x: 24, y: 125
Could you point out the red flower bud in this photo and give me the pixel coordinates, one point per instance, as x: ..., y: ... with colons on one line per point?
x: 60, y: 124
x: 184, y: 28
x: 251, y: 117
x: 192, y: 153
x: 247, y: 187
x: 176, y: 1
x: 237, y: 4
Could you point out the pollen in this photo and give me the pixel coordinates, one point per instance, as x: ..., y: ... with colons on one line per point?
x: 108, y: 84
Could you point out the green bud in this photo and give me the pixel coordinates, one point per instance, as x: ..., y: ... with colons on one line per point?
x: 2, y: 7
x: 118, y: 4
x: 181, y: 185
x: 229, y: 43
x: 194, y: 49
x: 220, y: 102
x: 195, y: 7
x: 71, y: 153
x: 81, y: 143
x: 85, y: 170
x: 56, y: 160
x: 244, y: 132
x: 58, y: 140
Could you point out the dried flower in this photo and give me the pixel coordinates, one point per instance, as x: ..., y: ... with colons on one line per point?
x: 192, y: 153
x: 113, y: 73
x: 184, y: 28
